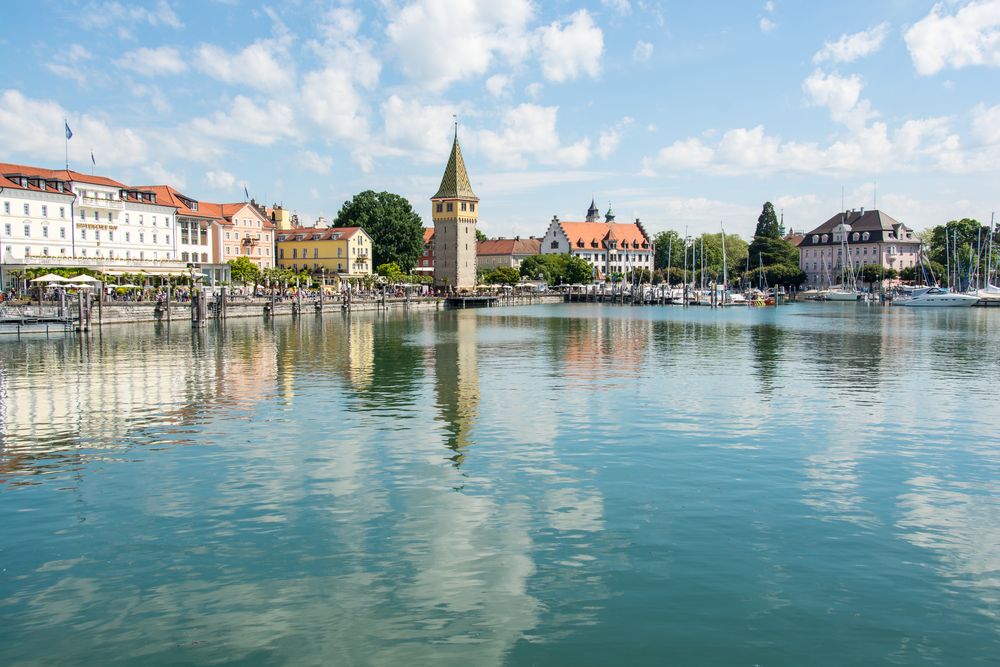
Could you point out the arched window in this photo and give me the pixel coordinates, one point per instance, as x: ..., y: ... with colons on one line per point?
x: 815, y: 238
x: 865, y: 236
x: 825, y: 237
x: 856, y: 236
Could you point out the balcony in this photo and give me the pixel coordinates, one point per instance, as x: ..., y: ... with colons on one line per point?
x: 251, y: 239
x: 100, y: 202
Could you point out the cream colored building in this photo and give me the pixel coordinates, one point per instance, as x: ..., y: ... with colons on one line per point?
x: 454, y: 210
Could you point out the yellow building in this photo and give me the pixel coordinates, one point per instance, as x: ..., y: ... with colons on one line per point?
x: 343, y: 251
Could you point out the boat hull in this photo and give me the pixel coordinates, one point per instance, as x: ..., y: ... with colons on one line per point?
x: 942, y: 301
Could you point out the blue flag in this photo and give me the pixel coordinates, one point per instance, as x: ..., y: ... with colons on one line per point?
x: 246, y: 193
x: 69, y: 132
x: 92, y: 160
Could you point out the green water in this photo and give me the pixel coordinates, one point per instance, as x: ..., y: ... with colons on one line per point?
x: 549, y: 485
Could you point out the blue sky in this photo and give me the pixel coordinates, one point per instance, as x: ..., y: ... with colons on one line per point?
x: 683, y: 114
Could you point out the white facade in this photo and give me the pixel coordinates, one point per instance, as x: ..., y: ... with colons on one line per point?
x: 86, y: 224
x: 609, y: 248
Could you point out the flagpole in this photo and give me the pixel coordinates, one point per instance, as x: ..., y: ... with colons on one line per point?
x: 66, y: 135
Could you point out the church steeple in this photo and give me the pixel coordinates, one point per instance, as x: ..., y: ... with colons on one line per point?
x: 593, y: 214
x: 455, y: 182
x: 610, y: 216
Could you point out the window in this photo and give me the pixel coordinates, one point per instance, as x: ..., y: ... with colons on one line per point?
x: 555, y: 245
x: 184, y: 256
x: 825, y: 238
x: 142, y: 237
x: 140, y: 219
x: 83, y: 233
x: 281, y: 253
x: 27, y: 211
x: 111, y: 235
x: 227, y: 236
x: 109, y: 216
x: 340, y: 252
x: 464, y: 206
x: 315, y: 253
x: 154, y: 239
x: 27, y: 231
x: 126, y: 218
x: 166, y: 239
x: 6, y: 229
x: 97, y: 235
x: 45, y: 211
x: 97, y: 216
x: 450, y: 207
x: 127, y: 237
x: 472, y: 206
x: 267, y: 252
x: 45, y: 232
x: 154, y: 221
x: 6, y: 207
x: 62, y: 212
x: 83, y: 214
x: 295, y: 253
x: 227, y: 250
x: 204, y: 257
x: 440, y: 207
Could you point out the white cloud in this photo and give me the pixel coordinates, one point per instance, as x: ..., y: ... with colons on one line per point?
x: 422, y: 131
x: 151, y: 62
x: 618, y: 6
x: 986, y: 124
x: 610, y: 137
x: 852, y: 47
x: 33, y: 130
x: 157, y: 173
x: 220, y: 180
x: 314, y: 162
x: 969, y: 37
x: 438, y: 42
x: 841, y: 95
x: 498, y: 84
x: 249, y: 121
x: 263, y: 65
x: 642, y: 52
x: 331, y: 99
x: 68, y: 63
x: 533, y: 90
x: 569, y: 50
x: 103, y: 15
x: 529, y: 131
x: 767, y: 25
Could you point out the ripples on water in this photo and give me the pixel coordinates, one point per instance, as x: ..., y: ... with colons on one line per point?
x: 816, y: 484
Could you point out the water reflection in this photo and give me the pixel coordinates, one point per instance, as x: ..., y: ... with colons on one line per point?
x: 531, y: 486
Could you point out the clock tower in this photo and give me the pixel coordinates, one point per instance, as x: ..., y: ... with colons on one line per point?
x: 455, y: 210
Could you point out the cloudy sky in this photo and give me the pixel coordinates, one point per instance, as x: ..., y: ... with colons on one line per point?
x: 680, y: 113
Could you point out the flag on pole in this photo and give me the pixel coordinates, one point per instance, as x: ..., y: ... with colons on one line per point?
x: 69, y: 132
x: 246, y: 192
x: 92, y: 160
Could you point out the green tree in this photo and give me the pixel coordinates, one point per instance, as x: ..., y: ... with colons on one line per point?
x: 668, y: 241
x: 963, y: 235
x: 767, y: 223
x: 769, y: 251
x: 480, y: 236
x: 396, y: 230
x: 787, y: 275
x: 576, y: 270
x: 557, y: 269
x: 391, y: 272
x: 244, y: 271
x: 503, y: 275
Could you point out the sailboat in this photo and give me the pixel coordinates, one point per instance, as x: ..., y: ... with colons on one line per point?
x: 844, y: 292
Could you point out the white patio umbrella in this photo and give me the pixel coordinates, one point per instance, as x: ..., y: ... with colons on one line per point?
x: 50, y: 278
x: 80, y: 286
x: 83, y: 279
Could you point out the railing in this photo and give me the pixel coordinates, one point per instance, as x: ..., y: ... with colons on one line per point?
x: 63, y: 260
x: 98, y: 202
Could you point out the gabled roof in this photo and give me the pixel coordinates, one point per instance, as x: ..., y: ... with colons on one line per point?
x: 455, y: 182
x: 318, y: 233
x: 595, y: 235
x: 878, y: 225
x: 518, y: 246
x: 67, y: 175
x: 428, y: 234
x: 168, y: 196
x: 225, y: 212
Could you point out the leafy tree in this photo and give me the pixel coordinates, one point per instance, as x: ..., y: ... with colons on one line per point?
x: 391, y: 272
x: 480, y: 236
x: 787, y: 275
x: 396, y: 230
x: 503, y: 275
x: 767, y: 223
x: 768, y: 251
x: 639, y: 276
x: 968, y: 234
x: 244, y: 271
x: 557, y: 269
x: 736, y: 253
x: 668, y: 241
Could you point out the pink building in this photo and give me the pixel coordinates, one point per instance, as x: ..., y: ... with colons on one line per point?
x: 241, y: 230
x: 872, y: 237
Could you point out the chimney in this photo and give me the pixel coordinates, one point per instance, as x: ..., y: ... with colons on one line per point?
x: 862, y: 211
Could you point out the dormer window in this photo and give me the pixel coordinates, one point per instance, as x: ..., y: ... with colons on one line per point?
x: 815, y: 238
x: 825, y: 238
x: 856, y: 236
x: 865, y: 236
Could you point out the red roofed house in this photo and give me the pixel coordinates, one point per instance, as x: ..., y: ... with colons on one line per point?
x: 506, y: 252
x: 241, y: 230
x: 609, y: 247
x: 425, y: 263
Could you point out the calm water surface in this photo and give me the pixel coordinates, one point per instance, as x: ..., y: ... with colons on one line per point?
x: 548, y: 485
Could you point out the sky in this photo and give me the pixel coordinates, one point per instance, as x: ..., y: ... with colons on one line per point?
x: 686, y: 115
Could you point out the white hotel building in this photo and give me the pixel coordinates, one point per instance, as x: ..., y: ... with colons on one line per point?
x: 68, y: 219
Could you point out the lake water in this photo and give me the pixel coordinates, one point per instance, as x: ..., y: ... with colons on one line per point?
x: 549, y: 485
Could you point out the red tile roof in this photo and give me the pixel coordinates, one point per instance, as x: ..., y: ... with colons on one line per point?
x: 428, y: 234
x: 529, y: 246
x: 225, y: 212
x: 168, y: 196
x: 324, y: 233
x: 583, y: 235
x: 58, y: 174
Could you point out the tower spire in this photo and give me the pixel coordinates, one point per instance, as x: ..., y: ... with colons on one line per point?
x: 455, y: 182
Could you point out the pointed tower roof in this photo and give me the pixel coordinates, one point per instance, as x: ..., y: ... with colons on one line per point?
x: 455, y: 182
x: 610, y: 217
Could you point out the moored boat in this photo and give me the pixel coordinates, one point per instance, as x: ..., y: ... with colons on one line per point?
x: 937, y: 297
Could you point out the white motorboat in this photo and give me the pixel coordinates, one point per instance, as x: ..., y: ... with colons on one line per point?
x: 937, y: 297
x: 840, y: 295
x: 989, y: 293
